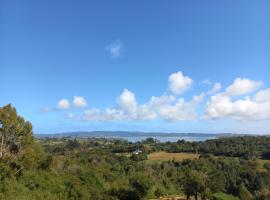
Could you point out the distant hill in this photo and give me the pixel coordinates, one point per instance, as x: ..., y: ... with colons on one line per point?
x: 123, y: 134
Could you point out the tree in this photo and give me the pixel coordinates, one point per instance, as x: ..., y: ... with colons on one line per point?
x: 138, y: 157
x: 72, y: 144
x: 16, y: 133
x: 140, y: 184
x: 191, y: 183
x: 244, y: 194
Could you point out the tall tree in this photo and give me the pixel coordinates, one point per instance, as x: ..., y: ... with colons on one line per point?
x: 191, y: 183
x: 15, y: 132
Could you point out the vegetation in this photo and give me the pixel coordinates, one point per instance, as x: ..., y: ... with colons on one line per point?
x: 101, y: 169
x: 163, y: 156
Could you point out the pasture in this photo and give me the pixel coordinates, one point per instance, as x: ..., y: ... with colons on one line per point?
x: 165, y: 156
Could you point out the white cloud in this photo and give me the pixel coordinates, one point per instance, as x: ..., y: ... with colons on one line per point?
x: 79, y: 102
x: 115, y: 49
x: 110, y: 114
x: 178, y: 83
x: 144, y: 112
x: 63, y: 104
x: 256, y: 108
x: 92, y: 115
x: 164, y: 107
x: 127, y: 101
x: 126, y: 109
x: 169, y: 107
x: 219, y: 106
x: 242, y: 86
x: 263, y: 96
x: 216, y: 87
x: 172, y: 109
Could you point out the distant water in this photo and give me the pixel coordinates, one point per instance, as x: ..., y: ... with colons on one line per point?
x: 168, y: 139
x: 137, y: 136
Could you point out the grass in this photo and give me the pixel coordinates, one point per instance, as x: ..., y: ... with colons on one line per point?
x: 164, y: 156
x: 261, y: 162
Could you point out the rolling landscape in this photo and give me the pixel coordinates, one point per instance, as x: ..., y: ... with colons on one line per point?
x: 134, y: 100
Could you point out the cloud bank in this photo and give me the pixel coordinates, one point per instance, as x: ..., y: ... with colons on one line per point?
x: 256, y: 107
x: 172, y: 106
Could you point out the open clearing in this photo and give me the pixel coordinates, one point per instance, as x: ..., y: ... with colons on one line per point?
x: 172, y: 156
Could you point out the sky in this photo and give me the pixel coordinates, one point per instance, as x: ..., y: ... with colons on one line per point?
x: 166, y: 66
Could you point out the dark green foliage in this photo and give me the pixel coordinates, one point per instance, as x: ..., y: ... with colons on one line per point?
x: 91, y: 171
x: 244, y: 194
x: 139, y: 156
x: 72, y: 144
x: 246, y: 147
x: 140, y: 185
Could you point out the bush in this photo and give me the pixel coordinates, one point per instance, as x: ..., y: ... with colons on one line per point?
x: 223, y: 196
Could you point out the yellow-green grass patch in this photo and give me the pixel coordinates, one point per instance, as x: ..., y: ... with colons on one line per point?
x: 165, y: 156
x: 261, y: 162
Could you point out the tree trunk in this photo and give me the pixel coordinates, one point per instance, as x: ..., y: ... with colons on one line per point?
x: 188, y: 196
x: 196, y: 196
x: 203, y: 196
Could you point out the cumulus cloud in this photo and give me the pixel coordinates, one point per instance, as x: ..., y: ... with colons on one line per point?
x: 229, y: 103
x: 263, y: 96
x: 249, y: 108
x: 126, y: 109
x: 172, y: 109
x: 178, y: 83
x: 63, y: 104
x: 242, y: 86
x: 115, y: 49
x: 164, y: 107
x: 79, y: 102
x: 219, y: 106
x: 127, y: 101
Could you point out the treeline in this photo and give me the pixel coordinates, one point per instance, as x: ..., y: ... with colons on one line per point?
x: 245, y: 146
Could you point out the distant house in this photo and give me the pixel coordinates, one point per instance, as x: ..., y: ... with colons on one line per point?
x: 136, y: 152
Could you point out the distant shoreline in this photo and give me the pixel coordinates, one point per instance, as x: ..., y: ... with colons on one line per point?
x: 138, y: 136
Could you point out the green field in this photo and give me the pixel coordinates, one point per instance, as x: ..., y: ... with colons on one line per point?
x: 165, y: 156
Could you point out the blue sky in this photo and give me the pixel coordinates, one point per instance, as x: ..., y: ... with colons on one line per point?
x: 177, y: 66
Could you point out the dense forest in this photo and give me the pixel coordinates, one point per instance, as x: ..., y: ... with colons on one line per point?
x: 112, y: 169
